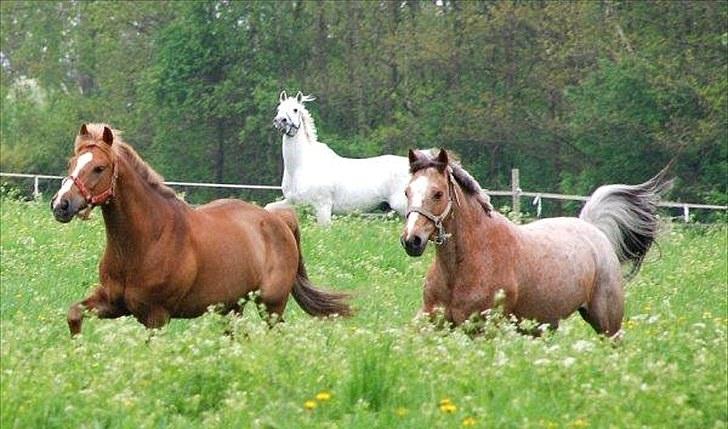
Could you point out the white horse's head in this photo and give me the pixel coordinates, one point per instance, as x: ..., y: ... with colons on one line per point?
x: 289, y: 117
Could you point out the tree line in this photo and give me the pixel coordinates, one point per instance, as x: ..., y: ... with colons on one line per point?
x: 575, y: 94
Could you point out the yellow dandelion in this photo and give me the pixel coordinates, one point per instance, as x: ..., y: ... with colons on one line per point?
x: 549, y: 424
x: 323, y: 396
x: 448, y: 408
x: 469, y: 422
x: 401, y: 411
x: 579, y: 424
x: 445, y: 401
x: 310, y: 405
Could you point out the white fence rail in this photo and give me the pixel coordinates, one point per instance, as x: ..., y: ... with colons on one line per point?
x: 516, y: 193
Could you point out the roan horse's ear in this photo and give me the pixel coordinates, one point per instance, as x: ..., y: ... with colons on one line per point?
x: 83, y: 131
x: 282, y: 97
x: 108, y: 136
x: 442, y: 159
x: 413, y: 156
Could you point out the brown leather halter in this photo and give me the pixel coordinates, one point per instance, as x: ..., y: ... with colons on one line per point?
x: 98, y: 199
x: 442, y: 235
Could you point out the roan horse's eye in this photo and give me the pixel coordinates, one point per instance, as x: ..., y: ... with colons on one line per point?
x: 99, y: 169
x: 437, y: 195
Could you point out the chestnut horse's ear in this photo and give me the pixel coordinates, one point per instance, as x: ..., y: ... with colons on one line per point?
x: 282, y: 97
x: 413, y: 156
x: 442, y: 159
x: 108, y: 136
x: 83, y: 131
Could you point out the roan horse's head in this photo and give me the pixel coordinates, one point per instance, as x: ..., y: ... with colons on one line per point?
x: 431, y: 199
x: 289, y: 117
x: 91, y: 173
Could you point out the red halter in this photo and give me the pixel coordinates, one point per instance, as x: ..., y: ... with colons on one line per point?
x: 102, y: 198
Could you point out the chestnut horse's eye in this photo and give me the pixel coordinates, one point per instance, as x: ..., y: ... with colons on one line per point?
x: 437, y: 195
x: 99, y: 169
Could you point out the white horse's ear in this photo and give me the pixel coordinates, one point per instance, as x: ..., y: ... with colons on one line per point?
x: 299, y: 97
x: 282, y: 97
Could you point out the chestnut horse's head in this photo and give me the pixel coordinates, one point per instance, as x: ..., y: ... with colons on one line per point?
x: 432, y: 197
x: 91, y: 176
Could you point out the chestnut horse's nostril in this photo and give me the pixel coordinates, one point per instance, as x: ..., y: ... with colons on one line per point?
x: 64, y: 204
x: 417, y: 241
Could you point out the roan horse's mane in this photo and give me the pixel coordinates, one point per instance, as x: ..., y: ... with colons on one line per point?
x: 121, y: 149
x: 467, y: 183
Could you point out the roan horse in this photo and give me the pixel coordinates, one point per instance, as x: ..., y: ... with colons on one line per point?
x: 164, y: 259
x: 546, y: 270
x: 314, y: 174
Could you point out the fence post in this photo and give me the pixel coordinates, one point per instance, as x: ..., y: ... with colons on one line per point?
x: 36, y: 191
x: 516, y: 191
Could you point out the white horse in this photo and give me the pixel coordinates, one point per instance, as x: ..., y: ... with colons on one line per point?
x: 314, y: 174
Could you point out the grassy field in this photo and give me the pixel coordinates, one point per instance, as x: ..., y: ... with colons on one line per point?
x: 379, y: 369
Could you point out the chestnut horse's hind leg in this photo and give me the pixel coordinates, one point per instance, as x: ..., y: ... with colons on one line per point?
x: 271, y: 310
x: 99, y: 303
x: 155, y: 317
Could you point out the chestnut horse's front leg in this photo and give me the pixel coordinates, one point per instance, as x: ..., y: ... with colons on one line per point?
x: 99, y: 303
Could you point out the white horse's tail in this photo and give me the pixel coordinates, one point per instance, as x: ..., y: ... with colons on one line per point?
x: 627, y: 215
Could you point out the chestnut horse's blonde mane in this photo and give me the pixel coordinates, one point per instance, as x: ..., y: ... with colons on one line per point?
x: 121, y: 149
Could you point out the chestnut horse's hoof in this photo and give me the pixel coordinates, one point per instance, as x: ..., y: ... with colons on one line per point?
x: 75, y: 316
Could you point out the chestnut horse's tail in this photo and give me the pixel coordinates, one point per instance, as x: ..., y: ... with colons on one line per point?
x: 314, y: 301
x: 627, y: 215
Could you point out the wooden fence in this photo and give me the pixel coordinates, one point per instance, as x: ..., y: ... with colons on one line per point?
x: 515, y: 193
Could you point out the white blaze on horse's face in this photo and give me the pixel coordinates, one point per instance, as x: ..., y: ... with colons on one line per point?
x: 82, y: 161
x: 288, y: 118
x: 417, y: 192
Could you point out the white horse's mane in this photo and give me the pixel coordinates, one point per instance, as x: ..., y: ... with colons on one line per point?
x: 307, y: 121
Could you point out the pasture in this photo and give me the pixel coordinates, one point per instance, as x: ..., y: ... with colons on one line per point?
x: 379, y: 369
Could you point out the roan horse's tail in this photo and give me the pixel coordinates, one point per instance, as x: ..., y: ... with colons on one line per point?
x: 312, y: 300
x: 627, y: 215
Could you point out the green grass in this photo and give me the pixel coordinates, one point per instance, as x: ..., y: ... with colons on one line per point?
x: 381, y: 369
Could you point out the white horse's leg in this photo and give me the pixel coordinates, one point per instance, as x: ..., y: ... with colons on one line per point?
x: 282, y: 204
x: 398, y: 202
x: 323, y: 213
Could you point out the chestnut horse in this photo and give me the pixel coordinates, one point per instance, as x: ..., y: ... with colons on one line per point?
x: 165, y: 259
x: 546, y: 270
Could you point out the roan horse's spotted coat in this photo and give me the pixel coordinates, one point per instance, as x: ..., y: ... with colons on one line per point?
x: 547, y: 269
x: 165, y: 259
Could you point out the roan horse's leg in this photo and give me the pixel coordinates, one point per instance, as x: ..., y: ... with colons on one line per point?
x: 605, y: 310
x: 99, y: 303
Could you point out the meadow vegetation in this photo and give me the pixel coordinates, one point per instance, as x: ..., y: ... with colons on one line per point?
x: 379, y: 369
